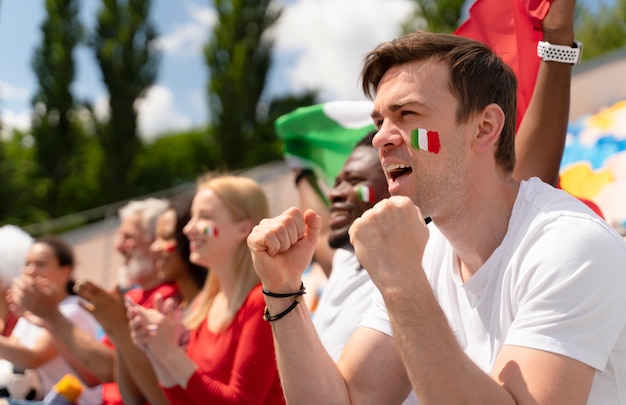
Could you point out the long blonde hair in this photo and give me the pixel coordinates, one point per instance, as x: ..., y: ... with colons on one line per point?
x: 244, y: 199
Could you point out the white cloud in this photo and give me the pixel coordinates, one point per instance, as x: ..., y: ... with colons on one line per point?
x: 101, y: 107
x: 188, y: 39
x: 9, y: 92
x: 12, y: 120
x: 157, y: 114
x: 330, y: 39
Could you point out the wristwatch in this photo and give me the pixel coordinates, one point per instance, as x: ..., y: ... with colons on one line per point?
x: 560, y: 53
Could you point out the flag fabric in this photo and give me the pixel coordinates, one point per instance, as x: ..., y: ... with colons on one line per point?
x: 512, y: 29
x: 321, y: 136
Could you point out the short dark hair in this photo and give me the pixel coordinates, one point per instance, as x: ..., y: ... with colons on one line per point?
x: 478, y: 77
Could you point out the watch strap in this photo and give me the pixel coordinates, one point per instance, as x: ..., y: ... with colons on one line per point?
x: 560, y: 53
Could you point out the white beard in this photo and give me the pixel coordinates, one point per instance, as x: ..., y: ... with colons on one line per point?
x: 139, y: 267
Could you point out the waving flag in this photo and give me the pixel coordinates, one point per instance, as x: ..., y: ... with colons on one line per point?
x: 321, y: 136
x: 512, y: 29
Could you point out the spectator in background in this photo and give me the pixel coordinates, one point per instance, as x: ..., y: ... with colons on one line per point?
x: 49, y: 265
x: 230, y: 355
x: 171, y: 248
x: 114, y: 359
x: 14, y: 245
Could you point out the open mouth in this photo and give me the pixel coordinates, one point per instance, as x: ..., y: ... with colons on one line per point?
x: 396, y: 171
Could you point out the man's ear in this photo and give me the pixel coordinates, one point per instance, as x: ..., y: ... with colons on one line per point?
x: 490, y: 124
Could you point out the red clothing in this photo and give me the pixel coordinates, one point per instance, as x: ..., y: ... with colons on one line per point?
x: 110, y: 391
x: 9, y: 324
x: 237, y: 366
x: 511, y: 28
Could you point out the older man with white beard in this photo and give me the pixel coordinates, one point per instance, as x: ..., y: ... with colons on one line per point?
x: 135, y: 235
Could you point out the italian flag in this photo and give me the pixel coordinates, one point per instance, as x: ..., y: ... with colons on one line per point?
x: 425, y: 140
x: 321, y: 136
x: 366, y: 194
x: 210, y: 231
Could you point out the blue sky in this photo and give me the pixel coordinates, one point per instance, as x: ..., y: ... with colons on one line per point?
x: 319, y: 44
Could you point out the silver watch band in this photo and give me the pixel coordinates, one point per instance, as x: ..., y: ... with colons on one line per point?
x: 560, y: 53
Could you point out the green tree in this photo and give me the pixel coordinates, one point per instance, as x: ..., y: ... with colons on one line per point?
x: 434, y: 16
x: 173, y: 159
x: 238, y: 56
x: 124, y: 45
x: 56, y: 140
x: 19, y: 186
x: 602, y: 30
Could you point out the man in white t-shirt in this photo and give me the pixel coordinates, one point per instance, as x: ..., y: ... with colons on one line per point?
x: 513, y: 295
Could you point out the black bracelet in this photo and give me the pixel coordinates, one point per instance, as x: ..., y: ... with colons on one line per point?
x: 271, y: 318
x: 301, y: 292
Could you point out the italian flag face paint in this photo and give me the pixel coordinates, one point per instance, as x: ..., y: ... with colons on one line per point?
x: 422, y: 139
x: 365, y: 193
x: 210, y: 231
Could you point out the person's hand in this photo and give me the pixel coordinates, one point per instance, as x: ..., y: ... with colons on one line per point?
x: 35, y: 298
x: 282, y: 248
x: 558, y: 24
x: 389, y: 240
x: 107, y: 307
x: 155, y: 331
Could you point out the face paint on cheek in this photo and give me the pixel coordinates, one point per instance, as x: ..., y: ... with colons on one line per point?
x: 210, y: 231
x: 365, y: 193
x: 170, y: 248
x: 422, y: 139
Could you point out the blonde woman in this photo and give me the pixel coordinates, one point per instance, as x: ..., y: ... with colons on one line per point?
x: 230, y: 355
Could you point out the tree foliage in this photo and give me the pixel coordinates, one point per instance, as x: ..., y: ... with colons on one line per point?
x: 57, y: 142
x: 124, y: 45
x: 435, y: 16
x: 602, y: 30
x: 172, y: 160
x: 20, y: 184
x: 238, y: 56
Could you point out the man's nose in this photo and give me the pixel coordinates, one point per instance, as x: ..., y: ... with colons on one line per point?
x: 387, y: 135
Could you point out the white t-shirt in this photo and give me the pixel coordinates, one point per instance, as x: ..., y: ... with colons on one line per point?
x: 345, y: 300
x: 54, y: 369
x: 556, y: 283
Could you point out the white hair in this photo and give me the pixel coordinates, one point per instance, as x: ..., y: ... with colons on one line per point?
x: 150, y: 210
x: 14, y: 246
